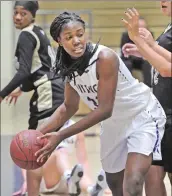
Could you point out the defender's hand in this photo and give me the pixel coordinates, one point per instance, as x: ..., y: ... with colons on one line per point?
x: 13, y: 97
x: 130, y: 50
x: 147, y: 36
x: 132, y: 23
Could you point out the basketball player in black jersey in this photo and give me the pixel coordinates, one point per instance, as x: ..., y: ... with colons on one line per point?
x: 159, y: 54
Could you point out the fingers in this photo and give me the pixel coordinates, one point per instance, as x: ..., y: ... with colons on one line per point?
x: 128, y: 46
x: 131, y: 13
x: 131, y: 23
x: 126, y: 24
x: 135, y: 12
x: 15, y: 100
x: 42, y: 151
x: 44, y: 136
x: 10, y: 99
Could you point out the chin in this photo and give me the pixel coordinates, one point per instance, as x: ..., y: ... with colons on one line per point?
x: 75, y: 56
x: 18, y: 27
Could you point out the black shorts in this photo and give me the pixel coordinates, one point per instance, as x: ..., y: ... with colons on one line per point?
x: 166, y: 147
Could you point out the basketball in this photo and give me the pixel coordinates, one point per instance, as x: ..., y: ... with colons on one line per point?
x: 23, y: 147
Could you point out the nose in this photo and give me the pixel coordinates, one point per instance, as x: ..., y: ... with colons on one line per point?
x: 18, y: 17
x: 76, y: 41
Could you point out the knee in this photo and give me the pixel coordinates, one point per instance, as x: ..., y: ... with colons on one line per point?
x: 48, y: 185
x: 133, y: 184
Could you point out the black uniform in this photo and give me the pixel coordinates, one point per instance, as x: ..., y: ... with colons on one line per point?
x: 34, y: 63
x: 162, y: 89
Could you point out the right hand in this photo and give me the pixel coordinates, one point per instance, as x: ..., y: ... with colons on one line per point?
x: 130, y: 49
x: 53, y: 141
x: 12, y: 97
x: 147, y: 36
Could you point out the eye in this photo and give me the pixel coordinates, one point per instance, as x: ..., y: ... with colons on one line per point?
x: 68, y: 37
x: 23, y: 14
x: 15, y: 13
x: 80, y: 34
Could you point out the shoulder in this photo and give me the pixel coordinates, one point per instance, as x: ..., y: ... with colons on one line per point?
x: 27, y: 36
x: 107, y: 63
x: 107, y: 55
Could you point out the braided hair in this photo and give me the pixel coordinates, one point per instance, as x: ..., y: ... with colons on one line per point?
x: 65, y: 65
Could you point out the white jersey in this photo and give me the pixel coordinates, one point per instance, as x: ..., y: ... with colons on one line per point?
x: 131, y: 96
x: 131, y: 123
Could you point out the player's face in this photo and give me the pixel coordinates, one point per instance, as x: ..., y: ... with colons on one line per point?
x: 166, y: 7
x: 73, y: 39
x: 22, y: 18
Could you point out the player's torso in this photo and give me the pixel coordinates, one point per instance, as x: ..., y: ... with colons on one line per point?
x: 131, y: 96
x: 162, y: 85
x: 48, y: 87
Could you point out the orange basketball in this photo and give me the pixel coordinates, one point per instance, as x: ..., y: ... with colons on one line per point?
x: 23, y: 148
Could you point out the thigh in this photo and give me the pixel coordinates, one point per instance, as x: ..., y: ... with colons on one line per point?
x: 115, y: 182
x: 51, y: 173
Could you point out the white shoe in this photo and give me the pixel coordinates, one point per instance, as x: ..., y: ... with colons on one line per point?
x: 100, y: 185
x: 73, y: 181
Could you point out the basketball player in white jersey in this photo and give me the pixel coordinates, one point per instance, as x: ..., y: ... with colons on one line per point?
x: 132, y: 120
x: 34, y: 62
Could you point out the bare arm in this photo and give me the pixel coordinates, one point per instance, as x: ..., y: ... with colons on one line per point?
x: 107, y: 69
x: 163, y: 52
x: 64, y: 112
x: 147, y: 36
x: 162, y: 65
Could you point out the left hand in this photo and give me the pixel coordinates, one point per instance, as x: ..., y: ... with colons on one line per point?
x: 132, y: 23
x: 130, y: 49
x: 53, y: 141
x: 13, y: 97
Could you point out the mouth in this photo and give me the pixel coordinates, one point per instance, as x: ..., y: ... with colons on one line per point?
x: 78, y: 50
x: 17, y: 24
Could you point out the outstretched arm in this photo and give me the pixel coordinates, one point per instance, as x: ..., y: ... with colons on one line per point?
x: 163, y: 52
x: 162, y: 65
x: 147, y: 36
x: 25, y: 50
